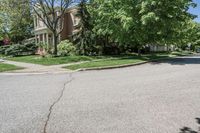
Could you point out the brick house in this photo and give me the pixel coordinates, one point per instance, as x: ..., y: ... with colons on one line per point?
x: 43, y: 34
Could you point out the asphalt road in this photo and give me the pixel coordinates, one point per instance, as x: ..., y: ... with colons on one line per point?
x: 159, y: 97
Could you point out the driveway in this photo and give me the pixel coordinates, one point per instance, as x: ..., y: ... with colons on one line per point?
x: 159, y: 97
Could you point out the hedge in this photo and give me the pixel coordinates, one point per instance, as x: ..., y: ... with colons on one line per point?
x: 18, y: 49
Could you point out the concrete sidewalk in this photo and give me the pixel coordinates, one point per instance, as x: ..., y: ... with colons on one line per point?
x: 35, y: 68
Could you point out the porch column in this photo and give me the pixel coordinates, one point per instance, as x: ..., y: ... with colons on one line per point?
x: 43, y: 38
x: 47, y: 38
x: 36, y: 39
x: 52, y: 39
x: 39, y: 38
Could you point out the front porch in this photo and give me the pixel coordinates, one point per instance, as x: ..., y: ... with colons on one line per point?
x: 44, y: 37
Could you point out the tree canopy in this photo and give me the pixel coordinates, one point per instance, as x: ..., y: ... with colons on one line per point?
x: 16, y: 21
x: 106, y: 23
x: 141, y: 22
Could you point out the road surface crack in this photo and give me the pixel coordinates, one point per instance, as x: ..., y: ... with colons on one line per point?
x: 55, y: 102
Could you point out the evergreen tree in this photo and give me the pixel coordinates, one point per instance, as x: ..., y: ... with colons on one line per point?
x: 83, y: 36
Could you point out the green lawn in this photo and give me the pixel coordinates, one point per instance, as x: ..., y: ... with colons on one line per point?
x: 35, y: 59
x: 125, y: 60
x: 105, y: 63
x: 8, y: 67
x: 95, y: 61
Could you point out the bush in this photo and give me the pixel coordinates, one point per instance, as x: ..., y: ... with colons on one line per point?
x: 14, y: 50
x: 3, y: 49
x: 43, y: 46
x: 66, y: 48
x: 197, y: 49
x: 19, y: 49
x: 30, y: 47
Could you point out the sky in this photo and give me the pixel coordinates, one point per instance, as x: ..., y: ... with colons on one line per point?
x: 196, y: 10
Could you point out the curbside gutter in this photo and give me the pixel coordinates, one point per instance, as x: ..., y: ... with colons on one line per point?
x: 112, y: 67
x: 128, y: 65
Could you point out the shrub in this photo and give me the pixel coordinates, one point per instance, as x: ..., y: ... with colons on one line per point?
x: 66, y: 48
x: 30, y: 47
x: 43, y: 49
x: 43, y: 46
x: 14, y: 50
x: 197, y: 49
x: 20, y: 49
x: 3, y: 49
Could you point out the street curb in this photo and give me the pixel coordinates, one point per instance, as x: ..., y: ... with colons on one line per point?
x: 111, y: 67
x: 127, y: 65
x: 119, y: 66
x: 90, y: 69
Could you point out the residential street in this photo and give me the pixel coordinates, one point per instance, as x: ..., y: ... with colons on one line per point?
x: 159, y: 97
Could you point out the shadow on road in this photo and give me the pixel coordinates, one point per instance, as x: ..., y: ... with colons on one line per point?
x: 180, y: 61
x: 189, y: 130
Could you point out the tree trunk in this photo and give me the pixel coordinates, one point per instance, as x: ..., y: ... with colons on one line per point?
x: 55, y: 42
x: 105, y: 44
x: 107, y: 40
x: 84, y: 47
x: 139, y: 51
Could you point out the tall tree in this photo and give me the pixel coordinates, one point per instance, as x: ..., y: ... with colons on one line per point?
x: 192, y: 34
x: 84, y: 29
x: 51, y: 13
x: 105, y: 16
x: 16, y: 20
x: 141, y: 22
x: 163, y: 21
